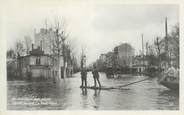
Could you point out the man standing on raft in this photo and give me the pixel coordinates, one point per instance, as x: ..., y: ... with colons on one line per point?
x: 96, y: 76
x: 84, y: 78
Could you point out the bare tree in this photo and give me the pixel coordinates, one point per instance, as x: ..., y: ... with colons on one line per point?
x: 175, y: 35
x: 174, y: 43
x: 19, y: 48
x: 151, y: 50
x: 59, y: 46
x: 10, y: 54
x: 71, y: 54
x: 157, y: 43
x: 62, y: 48
x: 28, y: 42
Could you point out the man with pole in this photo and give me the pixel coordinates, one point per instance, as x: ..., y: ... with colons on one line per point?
x: 96, y: 76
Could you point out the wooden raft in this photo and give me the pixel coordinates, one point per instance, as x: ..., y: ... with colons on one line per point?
x: 100, y: 88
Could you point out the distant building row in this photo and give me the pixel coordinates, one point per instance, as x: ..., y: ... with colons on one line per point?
x: 122, y: 56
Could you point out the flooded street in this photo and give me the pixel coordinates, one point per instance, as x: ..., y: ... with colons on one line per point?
x: 146, y: 95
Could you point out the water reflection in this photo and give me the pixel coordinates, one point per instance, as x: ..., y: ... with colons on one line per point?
x: 84, y: 91
x: 168, y: 98
x: 168, y: 92
x: 97, y: 92
x: 96, y: 98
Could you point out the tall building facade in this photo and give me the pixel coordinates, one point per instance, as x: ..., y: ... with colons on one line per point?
x: 43, y: 39
x: 125, y: 53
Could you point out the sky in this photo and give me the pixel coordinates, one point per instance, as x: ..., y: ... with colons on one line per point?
x: 97, y: 28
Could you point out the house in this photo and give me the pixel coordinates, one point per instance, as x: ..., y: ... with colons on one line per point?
x: 139, y: 63
x: 11, y: 65
x: 36, y: 64
x: 40, y: 65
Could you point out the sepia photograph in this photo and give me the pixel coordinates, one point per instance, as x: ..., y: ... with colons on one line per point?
x: 92, y: 56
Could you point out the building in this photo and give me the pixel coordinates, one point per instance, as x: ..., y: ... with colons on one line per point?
x: 101, y: 62
x: 36, y: 64
x: 43, y: 39
x: 125, y: 53
x: 109, y: 60
x: 69, y: 68
x: 139, y: 64
x: 121, y: 56
x: 102, y: 57
x: 11, y: 64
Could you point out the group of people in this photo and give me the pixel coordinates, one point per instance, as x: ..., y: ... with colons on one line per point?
x: 95, y: 77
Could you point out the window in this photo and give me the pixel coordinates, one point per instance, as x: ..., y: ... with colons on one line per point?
x: 38, y: 61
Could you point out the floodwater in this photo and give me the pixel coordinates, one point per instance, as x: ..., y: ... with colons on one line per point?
x: 66, y: 95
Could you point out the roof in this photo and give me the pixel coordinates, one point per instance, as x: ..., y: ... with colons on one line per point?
x: 34, y: 55
x: 36, y: 51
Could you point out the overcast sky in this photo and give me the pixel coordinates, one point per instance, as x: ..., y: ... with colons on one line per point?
x: 96, y: 27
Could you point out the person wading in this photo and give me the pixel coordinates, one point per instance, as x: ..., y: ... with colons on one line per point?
x: 96, y: 76
x: 84, y: 78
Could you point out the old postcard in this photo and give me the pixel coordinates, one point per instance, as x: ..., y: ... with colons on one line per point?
x: 91, y: 55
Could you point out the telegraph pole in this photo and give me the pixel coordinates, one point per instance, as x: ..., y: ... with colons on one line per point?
x: 142, y: 49
x: 166, y: 36
x: 166, y: 43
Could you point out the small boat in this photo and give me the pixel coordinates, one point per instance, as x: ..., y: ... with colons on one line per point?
x: 170, y: 82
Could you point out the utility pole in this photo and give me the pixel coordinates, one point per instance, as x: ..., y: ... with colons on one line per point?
x: 166, y: 43
x: 166, y: 36
x: 142, y: 49
x: 64, y: 57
